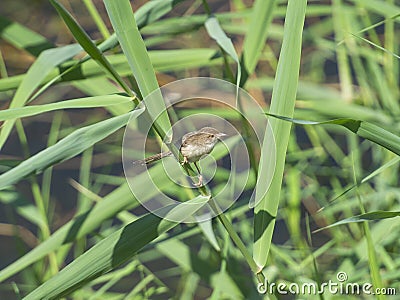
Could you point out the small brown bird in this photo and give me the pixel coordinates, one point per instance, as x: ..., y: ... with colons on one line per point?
x: 199, y: 143
x: 194, y: 146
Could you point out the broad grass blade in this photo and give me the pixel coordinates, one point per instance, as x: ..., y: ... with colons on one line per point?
x: 283, y: 100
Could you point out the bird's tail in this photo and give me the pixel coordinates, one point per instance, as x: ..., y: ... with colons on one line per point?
x: 151, y: 159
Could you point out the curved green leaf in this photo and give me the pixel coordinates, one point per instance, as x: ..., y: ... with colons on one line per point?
x: 371, y: 216
x: 88, y: 102
x: 363, y: 129
x: 217, y: 33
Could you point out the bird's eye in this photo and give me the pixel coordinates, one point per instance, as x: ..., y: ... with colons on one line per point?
x: 211, y: 135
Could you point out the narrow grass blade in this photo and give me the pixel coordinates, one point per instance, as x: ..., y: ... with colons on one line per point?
x: 378, y: 171
x: 283, y: 101
x: 84, y: 40
x: 162, y: 60
x: 66, y: 148
x: 370, y: 216
x: 124, y: 24
x: 95, y: 15
x: 111, y: 252
x: 363, y: 129
x: 256, y: 35
x: 376, y: 46
x: 88, y: 102
x: 45, y: 63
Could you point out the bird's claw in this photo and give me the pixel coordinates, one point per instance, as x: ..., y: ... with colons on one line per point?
x: 200, y: 183
x: 185, y: 161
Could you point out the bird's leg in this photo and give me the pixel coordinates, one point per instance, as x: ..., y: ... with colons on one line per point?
x: 185, y: 161
x: 200, y: 183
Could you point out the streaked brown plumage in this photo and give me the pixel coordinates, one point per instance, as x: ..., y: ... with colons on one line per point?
x: 194, y: 146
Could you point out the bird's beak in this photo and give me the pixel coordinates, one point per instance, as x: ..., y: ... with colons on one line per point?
x: 220, y: 135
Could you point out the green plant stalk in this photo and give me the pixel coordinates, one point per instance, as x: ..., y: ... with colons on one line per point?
x: 317, y: 275
x: 44, y: 224
x: 45, y: 189
x: 47, y: 174
x: 372, y: 259
x: 44, y: 228
x: 97, y: 18
x: 3, y: 68
x: 389, y: 62
x: 204, y: 191
x: 339, y: 22
x: 293, y: 217
x: 233, y: 235
x: 84, y: 202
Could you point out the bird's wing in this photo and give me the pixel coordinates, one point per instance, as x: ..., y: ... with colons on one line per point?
x: 187, y: 135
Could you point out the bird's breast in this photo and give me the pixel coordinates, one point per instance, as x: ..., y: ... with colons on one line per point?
x: 195, y: 152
